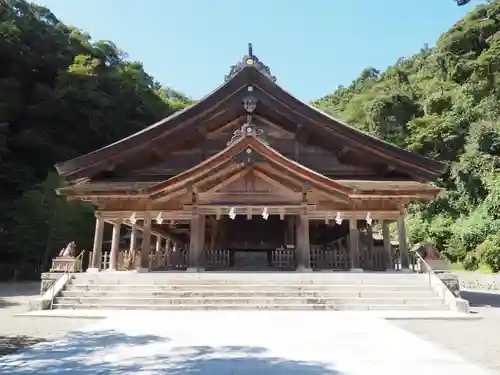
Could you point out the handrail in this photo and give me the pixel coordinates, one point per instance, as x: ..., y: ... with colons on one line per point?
x: 68, y: 271
x: 429, y: 270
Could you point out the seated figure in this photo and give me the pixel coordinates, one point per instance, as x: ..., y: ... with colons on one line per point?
x: 69, y: 250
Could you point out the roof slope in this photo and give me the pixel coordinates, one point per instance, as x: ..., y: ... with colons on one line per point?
x: 247, y: 150
x: 249, y: 82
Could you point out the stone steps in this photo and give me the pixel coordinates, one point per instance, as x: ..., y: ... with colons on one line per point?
x: 250, y: 291
x: 210, y: 282
x: 158, y: 293
x: 260, y: 300
x: 281, y: 307
x: 249, y: 287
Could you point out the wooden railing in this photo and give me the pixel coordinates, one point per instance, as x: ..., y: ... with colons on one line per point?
x: 217, y: 259
x: 68, y: 272
x: 283, y: 259
x: 68, y: 264
x: 334, y: 256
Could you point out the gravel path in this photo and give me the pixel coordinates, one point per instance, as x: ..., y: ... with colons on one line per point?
x: 14, y: 299
x: 476, y: 340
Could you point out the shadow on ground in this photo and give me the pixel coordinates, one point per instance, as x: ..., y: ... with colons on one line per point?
x: 17, y: 289
x: 98, y: 352
x: 478, y: 299
x: 12, y: 344
x: 6, y: 303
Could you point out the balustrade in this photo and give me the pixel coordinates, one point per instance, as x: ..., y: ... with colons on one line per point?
x: 217, y: 259
x: 333, y: 256
x: 283, y: 259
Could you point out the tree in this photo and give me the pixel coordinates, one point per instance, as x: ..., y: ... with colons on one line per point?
x: 443, y: 102
x: 61, y: 95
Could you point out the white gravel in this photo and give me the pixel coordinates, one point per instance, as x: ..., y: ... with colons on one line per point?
x: 216, y: 342
x: 14, y: 299
x: 476, y: 340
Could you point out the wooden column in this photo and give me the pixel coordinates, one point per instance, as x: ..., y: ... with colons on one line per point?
x: 387, y: 244
x: 197, y: 243
x: 403, y: 246
x: 303, y: 245
x: 97, y: 248
x: 158, y: 243
x: 146, y: 243
x: 133, y: 238
x: 354, y: 244
x: 371, y: 248
x: 115, y: 246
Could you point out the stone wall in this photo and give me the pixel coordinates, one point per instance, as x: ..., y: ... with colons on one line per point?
x: 476, y: 280
x: 48, y: 278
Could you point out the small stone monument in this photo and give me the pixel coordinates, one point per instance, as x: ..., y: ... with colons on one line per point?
x: 66, y: 260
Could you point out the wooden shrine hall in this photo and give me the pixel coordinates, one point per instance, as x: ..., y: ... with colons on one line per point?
x: 250, y: 178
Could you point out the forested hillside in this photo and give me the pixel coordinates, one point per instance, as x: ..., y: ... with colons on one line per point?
x: 61, y: 95
x: 443, y: 102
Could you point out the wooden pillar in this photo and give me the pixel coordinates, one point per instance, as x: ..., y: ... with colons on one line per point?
x: 133, y: 238
x: 403, y: 246
x: 97, y: 248
x: 197, y: 243
x: 158, y: 243
x: 115, y: 246
x: 354, y: 244
x: 387, y: 244
x: 303, y: 245
x: 146, y: 243
x: 371, y: 247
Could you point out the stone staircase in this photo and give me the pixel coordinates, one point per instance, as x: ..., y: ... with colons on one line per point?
x: 250, y: 291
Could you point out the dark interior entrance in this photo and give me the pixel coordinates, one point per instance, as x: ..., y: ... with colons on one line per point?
x: 251, y: 241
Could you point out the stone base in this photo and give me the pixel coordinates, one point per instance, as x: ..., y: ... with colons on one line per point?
x: 39, y: 304
x: 304, y: 269
x: 142, y: 270
x: 405, y: 270
x: 356, y: 270
x: 93, y: 270
x: 195, y: 269
x: 462, y: 305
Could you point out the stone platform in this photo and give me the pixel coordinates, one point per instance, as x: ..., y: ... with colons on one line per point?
x: 251, y: 291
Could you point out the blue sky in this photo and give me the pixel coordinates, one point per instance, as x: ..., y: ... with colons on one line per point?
x: 311, y: 46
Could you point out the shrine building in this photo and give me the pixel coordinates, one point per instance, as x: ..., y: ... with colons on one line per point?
x: 250, y: 178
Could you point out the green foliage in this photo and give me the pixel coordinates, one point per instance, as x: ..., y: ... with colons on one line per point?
x: 61, y: 95
x: 471, y: 261
x: 489, y: 252
x: 443, y: 102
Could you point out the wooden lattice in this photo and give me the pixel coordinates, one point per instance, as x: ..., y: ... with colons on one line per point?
x: 283, y: 259
x: 217, y: 259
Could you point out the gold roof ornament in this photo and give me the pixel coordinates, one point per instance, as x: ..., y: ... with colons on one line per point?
x: 250, y: 60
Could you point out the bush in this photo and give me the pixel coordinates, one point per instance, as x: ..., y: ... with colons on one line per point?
x: 489, y: 252
x: 469, y: 232
x: 471, y: 261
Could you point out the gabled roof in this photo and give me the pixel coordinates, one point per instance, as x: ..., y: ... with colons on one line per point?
x: 247, y: 149
x: 249, y: 88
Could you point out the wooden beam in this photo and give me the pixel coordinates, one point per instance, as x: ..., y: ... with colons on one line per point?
x: 229, y: 180
x: 284, y: 175
x: 139, y: 215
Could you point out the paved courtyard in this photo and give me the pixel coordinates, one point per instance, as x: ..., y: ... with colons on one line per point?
x: 239, y: 343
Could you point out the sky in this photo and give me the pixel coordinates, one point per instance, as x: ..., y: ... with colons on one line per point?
x: 311, y: 46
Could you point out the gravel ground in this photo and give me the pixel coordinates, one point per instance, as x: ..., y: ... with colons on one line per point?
x: 476, y: 340
x: 14, y: 299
